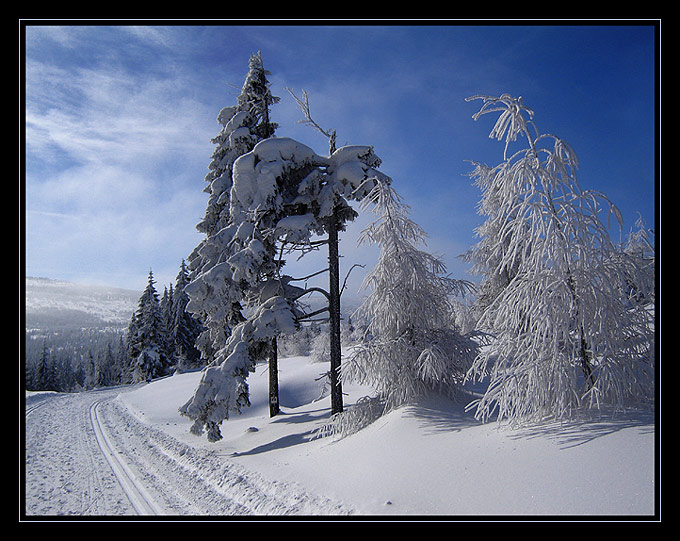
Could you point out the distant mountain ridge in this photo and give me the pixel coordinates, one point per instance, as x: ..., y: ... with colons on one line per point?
x: 56, y: 303
x: 52, y: 304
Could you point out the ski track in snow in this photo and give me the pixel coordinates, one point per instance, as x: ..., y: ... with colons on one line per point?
x: 86, y: 454
x: 65, y: 471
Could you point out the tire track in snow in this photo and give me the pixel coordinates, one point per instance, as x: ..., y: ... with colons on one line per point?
x: 31, y: 408
x: 182, y: 490
x: 141, y: 500
x: 93, y: 500
x: 36, y: 402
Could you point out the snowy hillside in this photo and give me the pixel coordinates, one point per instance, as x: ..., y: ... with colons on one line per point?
x: 52, y: 303
x: 429, y: 458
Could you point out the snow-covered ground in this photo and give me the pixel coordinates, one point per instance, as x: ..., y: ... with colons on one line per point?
x: 126, y: 451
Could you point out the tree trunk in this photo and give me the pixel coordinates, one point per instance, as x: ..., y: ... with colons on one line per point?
x: 586, y: 365
x: 273, y: 380
x: 334, y: 311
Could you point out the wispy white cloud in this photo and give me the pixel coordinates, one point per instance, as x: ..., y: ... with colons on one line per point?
x: 107, y: 116
x: 124, y: 155
x: 151, y: 35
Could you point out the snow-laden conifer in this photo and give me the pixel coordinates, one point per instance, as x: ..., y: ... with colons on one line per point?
x: 567, y: 330
x: 146, y: 343
x: 412, y: 344
x: 283, y: 194
x: 214, y: 298
x: 184, y: 328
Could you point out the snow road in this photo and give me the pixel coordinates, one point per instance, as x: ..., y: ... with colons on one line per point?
x: 87, y: 454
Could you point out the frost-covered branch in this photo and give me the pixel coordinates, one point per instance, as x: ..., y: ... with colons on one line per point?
x: 344, y: 282
x: 304, y: 278
x: 303, y: 104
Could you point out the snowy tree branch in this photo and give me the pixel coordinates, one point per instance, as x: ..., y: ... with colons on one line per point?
x: 344, y: 282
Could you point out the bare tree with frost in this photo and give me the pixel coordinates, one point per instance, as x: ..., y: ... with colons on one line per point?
x: 412, y: 344
x: 567, y: 331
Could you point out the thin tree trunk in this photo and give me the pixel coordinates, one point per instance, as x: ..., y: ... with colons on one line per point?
x: 273, y: 379
x: 334, y: 311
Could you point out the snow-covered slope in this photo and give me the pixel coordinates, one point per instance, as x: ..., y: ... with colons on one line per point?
x: 430, y: 458
x: 50, y: 303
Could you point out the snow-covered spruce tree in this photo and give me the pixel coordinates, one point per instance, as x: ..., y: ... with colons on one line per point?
x: 213, y: 298
x: 40, y: 380
x: 146, y: 344
x: 283, y: 195
x: 166, y: 306
x: 412, y: 344
x: 258, y: 197
x: 106, y: 366
x: 567, y: 332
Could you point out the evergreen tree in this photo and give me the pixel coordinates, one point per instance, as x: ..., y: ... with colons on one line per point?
x: 167, y: 309
x: 567, y: 331
x: 412, y: 344
x: 214, y: 299
x: 283, y: 194
x: 215, y: 296
x: 185, y: 329
x: 146, y: 345
x: 129, y: 350
x: 66, y: 375
x: 106, y: 366
x: 120, y: 365
x: 90, y: 371
x: 40, y: 380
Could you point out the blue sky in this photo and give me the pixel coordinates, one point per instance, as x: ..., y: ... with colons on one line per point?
x: 118, y: 122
